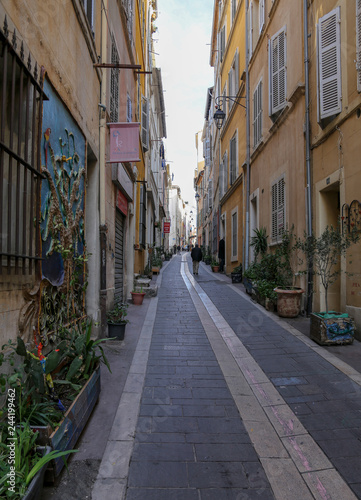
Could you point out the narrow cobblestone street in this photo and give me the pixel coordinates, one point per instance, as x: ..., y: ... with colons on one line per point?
x: 225, y: 401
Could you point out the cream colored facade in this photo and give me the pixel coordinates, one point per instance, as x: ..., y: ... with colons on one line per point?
x: 298, y: 136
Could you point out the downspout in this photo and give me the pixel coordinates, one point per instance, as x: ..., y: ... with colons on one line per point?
x: 308, y: 156
x: 102, y: 138
x: 248, y: 185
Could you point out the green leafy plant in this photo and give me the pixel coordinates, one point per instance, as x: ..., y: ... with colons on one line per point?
x: 118, y: 313
x: 259, y: 242
x: 324, y: 253
x: 237, y: 269
x: 27, y: 459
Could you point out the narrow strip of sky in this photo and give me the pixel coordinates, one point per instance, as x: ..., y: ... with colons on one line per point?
x: 182, y: 42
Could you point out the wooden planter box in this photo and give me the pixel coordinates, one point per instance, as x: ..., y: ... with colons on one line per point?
x: 338, y: 329
x: 236, y: 277
x: 35, y: 487
x: 68, y: 432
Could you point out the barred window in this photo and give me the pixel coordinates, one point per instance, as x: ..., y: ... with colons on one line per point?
x: 114, y: 84
x: 21, y: 97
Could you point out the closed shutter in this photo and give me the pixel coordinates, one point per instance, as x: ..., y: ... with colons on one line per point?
x: 129, y: 109
x: 145, y: 124
x: 236, y: 76
x: 329, y: 58
x: 210, y: 194
x: 119, y: 255
x: 261, y: 15
x: 233, y: 160
x: 278, y: 210
x: 257, y: 115
x: 114, y: 84
x: 222, y: 42
x: 278, y: 73
x: 358, y: 43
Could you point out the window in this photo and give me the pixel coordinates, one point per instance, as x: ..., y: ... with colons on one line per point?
x: 277, y: 72
x: 233, y: 10
x: 257, y: 115
x: 234, y: 234
x: 233, y: 79
x: 233, y: 160
x: 142, y: 214
x: 222, y: 42
x: 358, y: 43
x: 329, y: 64
x: 215, y: 232
x: 89, y: 10
x: 261, y: 15
x: 145, y: 124
x: 128, y: 9
x: 129, y: 109
x: 20, y: 176
x: 278, y: 210
x: 250, y: 29
x: 210, y: 194
x: 114, y: 84
x: 223, y: 185
x: 207, y: 148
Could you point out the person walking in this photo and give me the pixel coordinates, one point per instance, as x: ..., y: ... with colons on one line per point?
x: 197, y: 256
x: 221, y: 254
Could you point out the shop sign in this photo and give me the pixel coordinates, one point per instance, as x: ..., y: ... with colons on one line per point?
x: 124, y: 142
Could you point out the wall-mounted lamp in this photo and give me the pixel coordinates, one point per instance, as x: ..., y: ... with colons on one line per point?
x: 219, y: 101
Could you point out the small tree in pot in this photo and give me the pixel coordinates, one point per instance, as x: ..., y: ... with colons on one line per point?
x: 324, y: 254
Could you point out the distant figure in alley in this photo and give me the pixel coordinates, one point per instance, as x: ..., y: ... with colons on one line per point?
x: 197, y: 256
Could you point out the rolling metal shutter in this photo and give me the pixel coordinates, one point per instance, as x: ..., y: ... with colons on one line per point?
x: 119, y: 254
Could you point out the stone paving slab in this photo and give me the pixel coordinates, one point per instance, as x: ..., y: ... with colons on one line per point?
x: 233, y: 405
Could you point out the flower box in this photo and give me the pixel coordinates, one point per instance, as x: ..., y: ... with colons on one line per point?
x: 70, y: 428
x: 236, y: 277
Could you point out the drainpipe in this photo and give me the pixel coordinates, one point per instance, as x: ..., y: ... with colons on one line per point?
x: 102, y: 138
x: 308, y: 155
x: 248, y: 185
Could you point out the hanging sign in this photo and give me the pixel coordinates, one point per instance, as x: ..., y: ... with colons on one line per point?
x: 124, y: 142
x: 166, y: 227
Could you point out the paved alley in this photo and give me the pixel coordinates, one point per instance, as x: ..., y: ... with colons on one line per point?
x: 223, y: 400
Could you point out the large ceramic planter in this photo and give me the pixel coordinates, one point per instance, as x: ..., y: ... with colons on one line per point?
x: 333, y: 328
x: 116, y: 331
x: 215, y: 269
x: 35, y: 487
x: 289, y: 301
x: 68, y: 432
x: 137, y: 298
x: 155, y: 269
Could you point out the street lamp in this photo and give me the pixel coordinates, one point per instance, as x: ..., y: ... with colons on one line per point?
x: 220, y: 115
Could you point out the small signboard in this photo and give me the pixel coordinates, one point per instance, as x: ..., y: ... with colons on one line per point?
x: 166, y: 227
x: 124, y: 142
x: 122, y: 202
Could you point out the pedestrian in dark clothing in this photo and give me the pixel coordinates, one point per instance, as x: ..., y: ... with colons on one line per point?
x: 197, y: 256
x: 178, y: 249
x: 221, y: 254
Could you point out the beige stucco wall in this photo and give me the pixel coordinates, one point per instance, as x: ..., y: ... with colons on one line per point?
x: 53, y: 32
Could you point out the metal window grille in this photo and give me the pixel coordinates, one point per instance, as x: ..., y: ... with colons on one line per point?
x: 114, y: 84
x: 21, y: 98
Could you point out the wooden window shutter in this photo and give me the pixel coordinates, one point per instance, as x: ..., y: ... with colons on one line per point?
x: 257, y: 115
x: 145, y: 124
x: 236, y: 76
x: 250, y: 29
x: 129, y: 108
x: 261, y: 15
x: 278, y: 209
x: 278, y: 73
x: 329, y: 56
x: 222, y: 42
x: 210, y: 194
x: 358, y: 43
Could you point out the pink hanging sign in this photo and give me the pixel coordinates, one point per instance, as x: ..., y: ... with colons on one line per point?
x: 124, y: 142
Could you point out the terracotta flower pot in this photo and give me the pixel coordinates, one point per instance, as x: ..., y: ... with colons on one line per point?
x: 289, y: 301
x: 215, y: 269
x: 137, y: 298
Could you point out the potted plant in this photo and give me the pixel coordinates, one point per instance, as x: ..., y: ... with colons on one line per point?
x: 116, y: 320
x: 137, y: 297
x: 215, y: 266
x: 288, y: 294
x: 236, y: 274
x: 323, y: 255
x: 259, y: 242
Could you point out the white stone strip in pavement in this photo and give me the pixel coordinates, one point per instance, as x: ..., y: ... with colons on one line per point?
x: 111, y: 483
x: 295, y: 465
